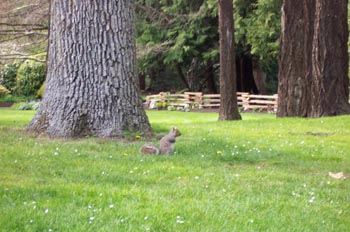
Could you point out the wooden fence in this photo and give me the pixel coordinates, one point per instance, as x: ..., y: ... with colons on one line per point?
x: 199, y: 100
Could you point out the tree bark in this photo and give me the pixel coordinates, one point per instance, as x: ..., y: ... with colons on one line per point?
x: 295, y: 64
x: 330, y: 60
x: 313, y: 63
x: 228, y: 106
x: 92, y: 83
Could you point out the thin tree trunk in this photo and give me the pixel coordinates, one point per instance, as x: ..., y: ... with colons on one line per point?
x: 259, y: 78
x: 142, y: 80
x: 210, y: 78
x: 182, y: 76
x: 92, y: 84
x: 228, y: 106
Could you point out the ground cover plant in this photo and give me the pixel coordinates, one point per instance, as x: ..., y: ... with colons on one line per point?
x: 258, y: 174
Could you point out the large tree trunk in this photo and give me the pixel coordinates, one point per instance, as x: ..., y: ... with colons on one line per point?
x: 330, y: 60
x: 295, y: 64
x: 92, y: 84
x: 228, y: 105
x: 313, y: 65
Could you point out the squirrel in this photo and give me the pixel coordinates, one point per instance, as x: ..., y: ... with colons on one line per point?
x: 166, y: 144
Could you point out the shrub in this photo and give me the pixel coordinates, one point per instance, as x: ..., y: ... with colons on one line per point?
x: 161, y: 105
x: 33, y: 105
x: 8, y: 75
x: 21, y: 106
x: 30, y: 77
x: 171, y: 108
x: 4, y: 91
x: 41, y: 91
x: 11, y: 98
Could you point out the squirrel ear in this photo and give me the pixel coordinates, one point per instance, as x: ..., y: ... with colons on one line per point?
x: 174, y: 128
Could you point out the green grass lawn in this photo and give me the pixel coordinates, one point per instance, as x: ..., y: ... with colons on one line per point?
x: 258, y: 174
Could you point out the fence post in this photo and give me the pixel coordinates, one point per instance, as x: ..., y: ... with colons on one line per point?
x: 245, y: 100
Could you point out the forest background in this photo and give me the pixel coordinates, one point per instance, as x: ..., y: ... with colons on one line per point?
x: 177, y: 45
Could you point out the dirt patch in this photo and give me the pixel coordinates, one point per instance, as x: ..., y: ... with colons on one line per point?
x: 206, y: 110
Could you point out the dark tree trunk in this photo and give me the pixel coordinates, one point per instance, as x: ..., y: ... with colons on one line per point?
x: 228, y: 106
x: 142, y: 80
x: 92, y: 84
x: 245, y: 77
x: 259, y: 78
x: 210, y: 78
x: 182, y: 76
x: 313, y: 64
x: 153, y: 79
x: 192, y: 76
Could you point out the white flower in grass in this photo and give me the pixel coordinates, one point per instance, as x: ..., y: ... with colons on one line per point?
x: 46, y: 211
x: 145, y: 218
x: 111, y: 206
x: 196, y: 177
x: 312, y: 199
x: 178, y: 220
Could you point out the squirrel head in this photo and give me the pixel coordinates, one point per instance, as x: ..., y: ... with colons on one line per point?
x: 175, y: 131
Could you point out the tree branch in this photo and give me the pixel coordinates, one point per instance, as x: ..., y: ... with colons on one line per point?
x: 20, y: 56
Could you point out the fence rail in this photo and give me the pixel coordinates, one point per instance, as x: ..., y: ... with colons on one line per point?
x: 197, y: 99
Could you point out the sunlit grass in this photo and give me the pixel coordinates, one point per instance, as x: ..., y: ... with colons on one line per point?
x: 258, y: 174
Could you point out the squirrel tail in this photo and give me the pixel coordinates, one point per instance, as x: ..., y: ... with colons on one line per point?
x: 149, y: 149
